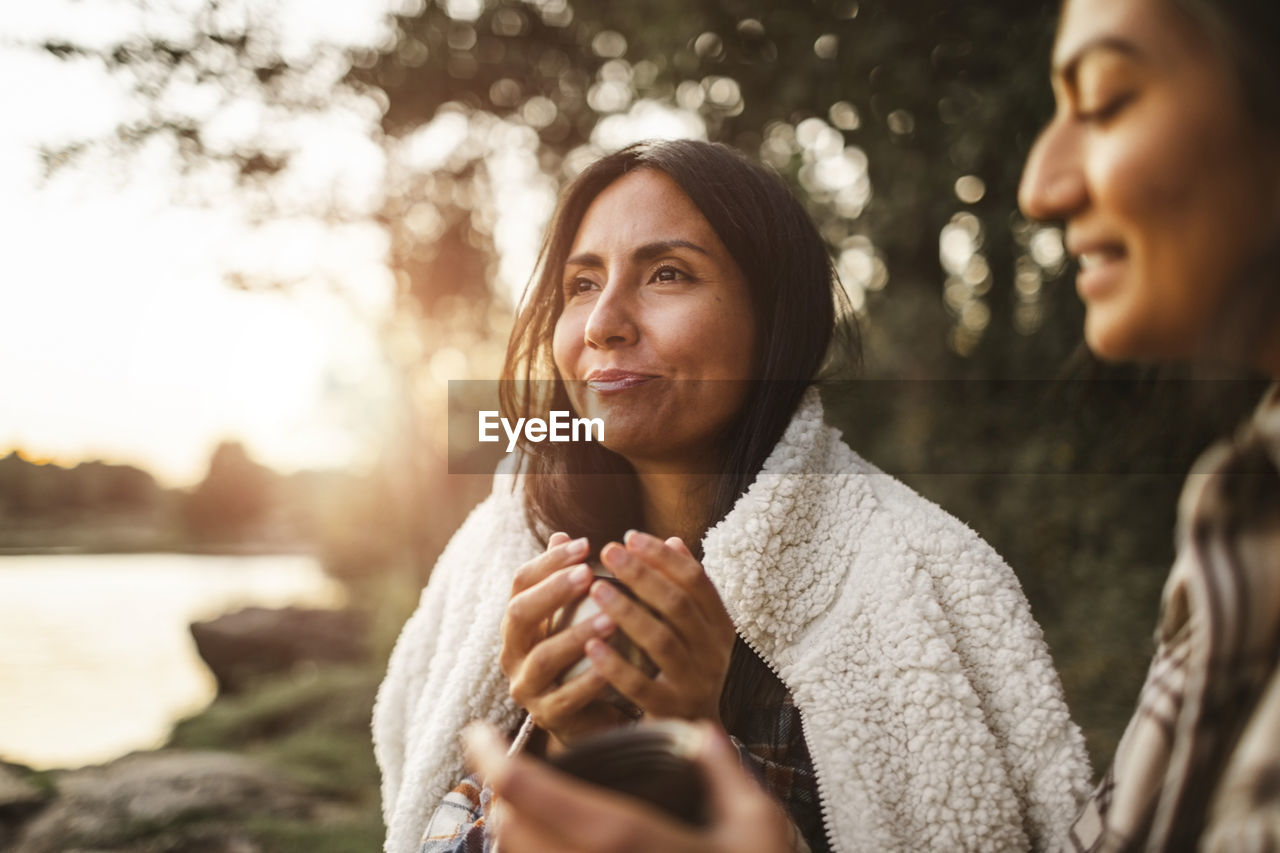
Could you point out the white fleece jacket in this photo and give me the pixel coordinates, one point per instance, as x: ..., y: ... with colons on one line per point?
x: 933, y: 714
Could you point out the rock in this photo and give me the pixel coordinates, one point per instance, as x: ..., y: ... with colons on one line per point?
x: 257, y: 640
x: 168, y: 800
x: 20, y: 798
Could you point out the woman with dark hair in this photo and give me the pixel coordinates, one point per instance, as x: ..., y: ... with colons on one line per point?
x: 875, y: 662
x: 1163, y: 161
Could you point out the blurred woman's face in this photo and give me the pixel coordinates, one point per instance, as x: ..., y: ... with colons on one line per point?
x: 657, y: 331
x: 1166, y: 186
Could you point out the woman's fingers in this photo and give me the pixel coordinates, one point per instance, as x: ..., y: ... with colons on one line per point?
x: 675, y: 543
x: 728, y: 786
x: 678, y: 566
x: 557, y: 556
x: 549, y: 658
x: 520, y: 834
x: 543, y: 599
x: 660, y: 640
x: 644, y: 691
x: 657, y: 590
x: 688, y: 633
x: 557, y: 710
x: 528, y: 610
x: 541, y: 810
x: 743, y: 817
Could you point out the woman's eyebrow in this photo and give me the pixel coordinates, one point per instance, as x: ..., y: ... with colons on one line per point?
x: 647, y: 252
x: 1066, y: 69
x: 585, y: 259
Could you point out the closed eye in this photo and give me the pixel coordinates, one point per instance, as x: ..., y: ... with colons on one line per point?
x: 1106, y: 112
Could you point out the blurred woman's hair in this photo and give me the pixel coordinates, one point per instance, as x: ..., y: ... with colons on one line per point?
x: 801, y: 319
x: 1247, y: 34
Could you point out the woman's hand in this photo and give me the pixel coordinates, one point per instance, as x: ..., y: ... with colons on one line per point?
x: 532, y: 661
x: 539, y: 810
x: 691, y: 648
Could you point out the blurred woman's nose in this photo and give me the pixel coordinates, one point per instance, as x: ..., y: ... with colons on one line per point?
x: 612, y: 321
x: 1053, y: 185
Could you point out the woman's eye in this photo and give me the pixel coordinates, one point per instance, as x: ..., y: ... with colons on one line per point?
x: 1107, y: 111
x: 1107, y: 108
x: 574, y: 286
x: 668, y: 274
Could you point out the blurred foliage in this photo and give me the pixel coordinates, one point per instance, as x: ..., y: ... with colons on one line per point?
x: 30, y: 489
x: 92, y: 505
x: 902, y: 124
x: 895, y: 122
x: 1075, y: 482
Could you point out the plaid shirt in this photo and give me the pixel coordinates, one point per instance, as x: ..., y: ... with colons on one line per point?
x: 770, y: 741
x: 1199, y: 764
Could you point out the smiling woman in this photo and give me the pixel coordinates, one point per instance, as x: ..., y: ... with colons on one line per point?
x: 1163, y: 159
x: 818, y: 610
x: 641, y: 307
x: 1145, y: 101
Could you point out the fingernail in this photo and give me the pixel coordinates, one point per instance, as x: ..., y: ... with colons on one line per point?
x: 604, y: 592
x: 578, y: 547
x: 484, y: 748
x: 580, y: 575
x: 626, y: 537
x: 602, y: 623
x: 595, y: 649
x: 619, y: 557
x: 715, y: 741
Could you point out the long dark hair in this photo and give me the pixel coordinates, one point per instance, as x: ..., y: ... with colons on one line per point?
x: 1246, y: 34
x: 587, y: 490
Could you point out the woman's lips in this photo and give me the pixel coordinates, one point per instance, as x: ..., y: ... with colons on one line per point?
x: 1100, y: 271
x: 615, y: 381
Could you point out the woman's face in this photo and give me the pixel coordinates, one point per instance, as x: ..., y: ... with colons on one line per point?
x: 657, y: 332
x: 1166, y: 187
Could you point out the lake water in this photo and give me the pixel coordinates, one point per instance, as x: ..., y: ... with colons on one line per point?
x: 95, y: 656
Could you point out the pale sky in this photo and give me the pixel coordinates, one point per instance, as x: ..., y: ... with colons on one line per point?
x: 120, y: 338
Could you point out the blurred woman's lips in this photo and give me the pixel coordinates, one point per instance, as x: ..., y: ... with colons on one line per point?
x: 614, y: 381
x: 1101, y: 267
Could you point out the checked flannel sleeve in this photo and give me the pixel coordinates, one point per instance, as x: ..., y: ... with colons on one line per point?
x: 1199, y: 764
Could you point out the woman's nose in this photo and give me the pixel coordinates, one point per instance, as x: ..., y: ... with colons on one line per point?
x: 612, y: 321
x: 1053, y: 184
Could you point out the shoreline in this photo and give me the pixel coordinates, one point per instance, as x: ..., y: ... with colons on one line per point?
x: 257, y: 549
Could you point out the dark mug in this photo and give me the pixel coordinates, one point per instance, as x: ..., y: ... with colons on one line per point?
x: 654, y: 762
